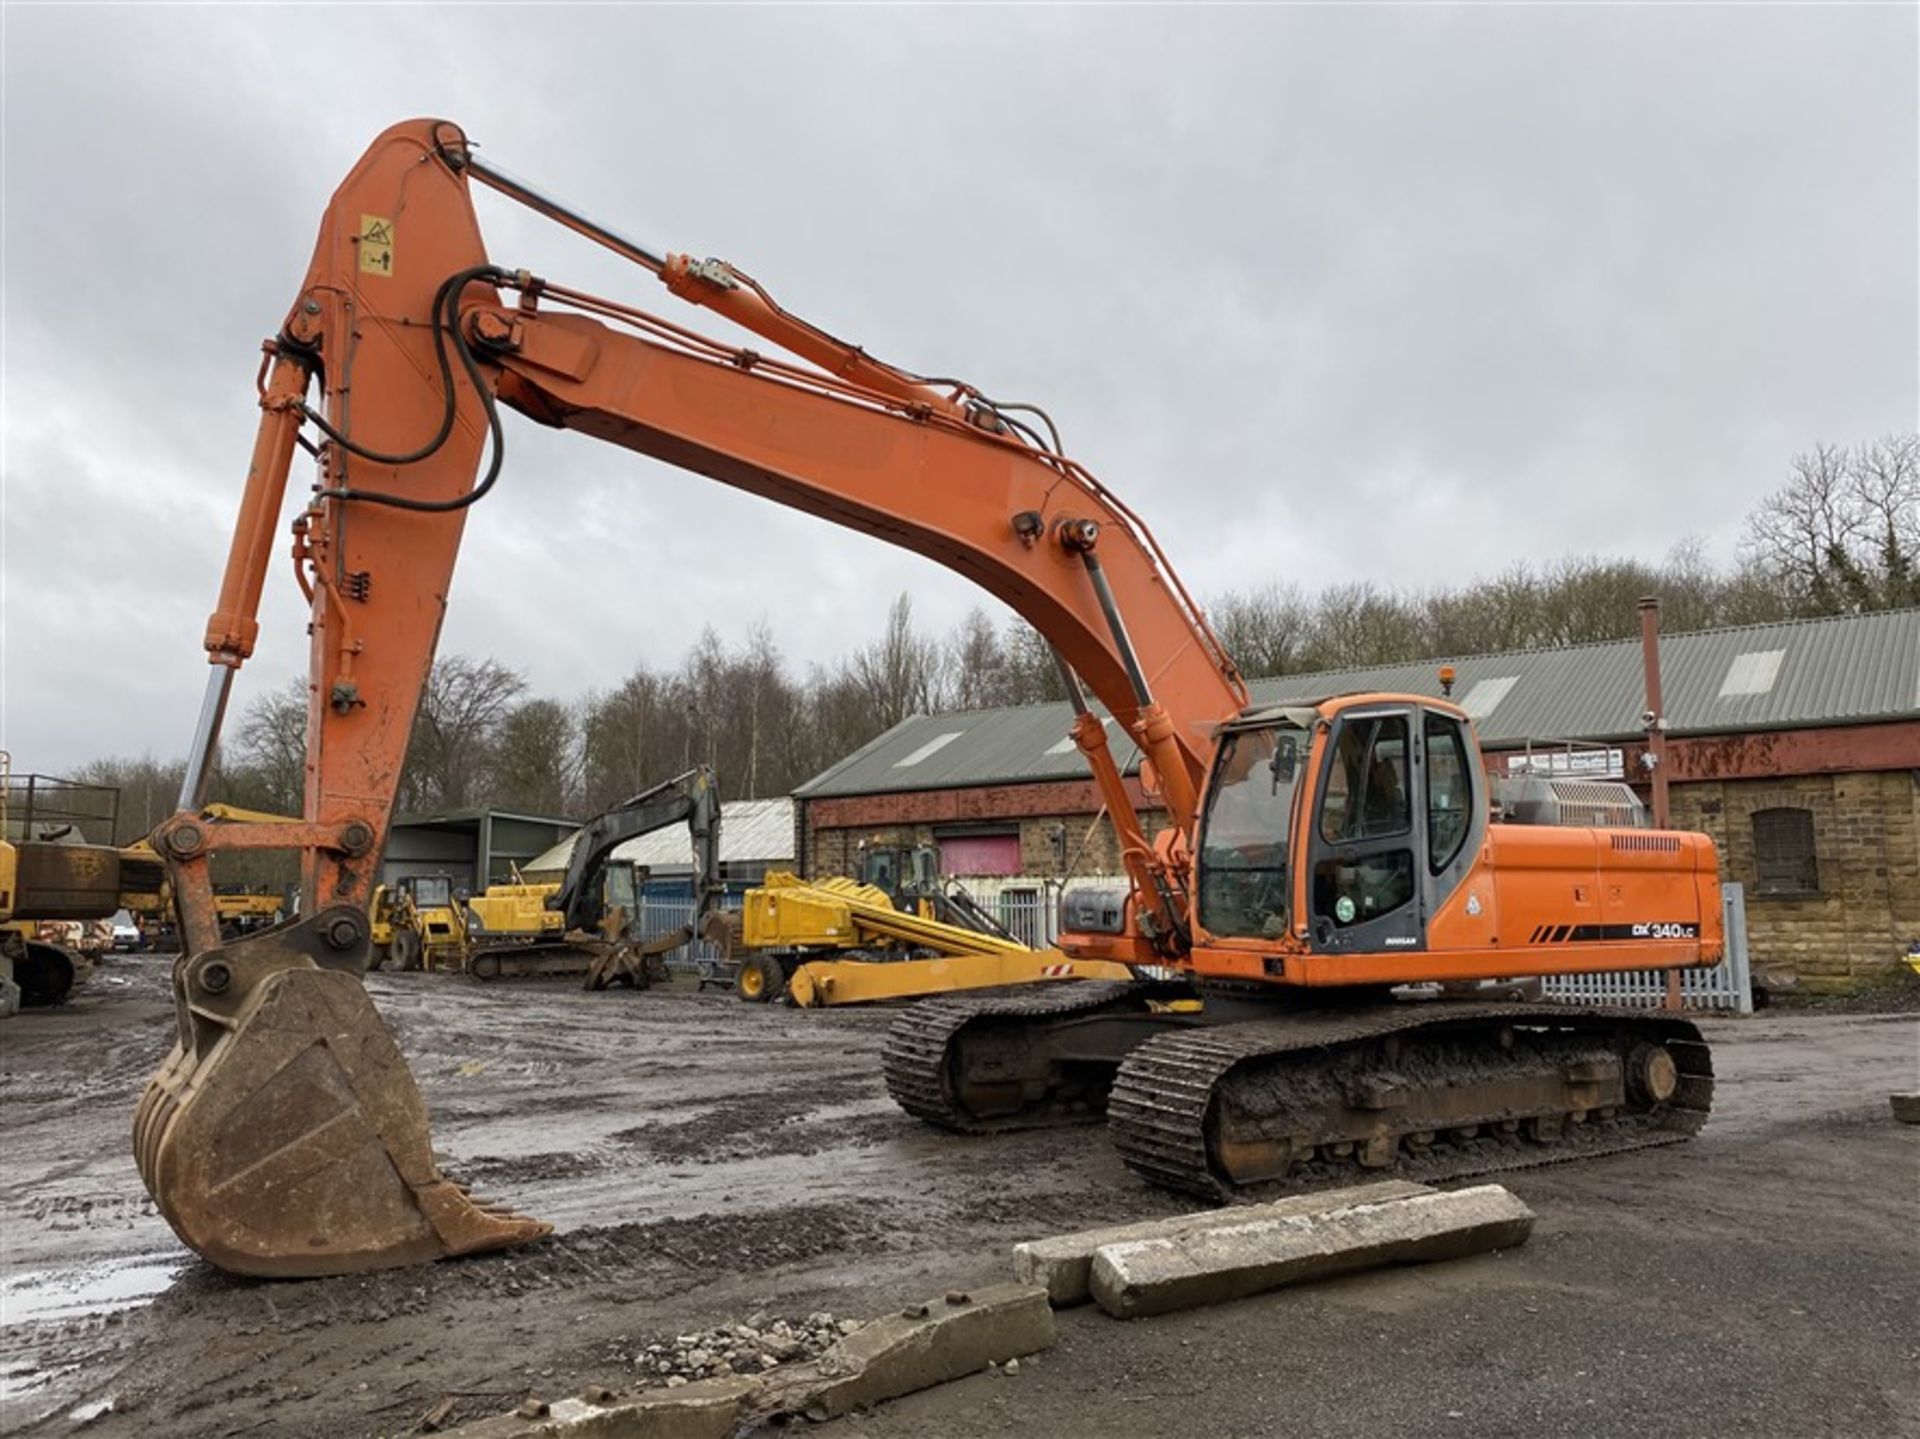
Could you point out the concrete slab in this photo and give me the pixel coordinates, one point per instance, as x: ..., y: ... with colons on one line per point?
x: 1906, y: 1107
x: 922, y: 1345
x: 1215, y: 1265
x: 916, y: 1348
x: 1063, y: 1263
x: 705, y: 1409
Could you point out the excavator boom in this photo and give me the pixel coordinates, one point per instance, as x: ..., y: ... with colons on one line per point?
x: 284, y: 1135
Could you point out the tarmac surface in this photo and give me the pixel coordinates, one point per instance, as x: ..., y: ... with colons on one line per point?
x: 705, y: 1161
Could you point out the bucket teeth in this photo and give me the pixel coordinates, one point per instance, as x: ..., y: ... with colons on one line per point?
x: 285, y: 1136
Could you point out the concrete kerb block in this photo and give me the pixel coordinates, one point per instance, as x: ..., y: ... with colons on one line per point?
x: 1213, y: 1266
x: 704, y: 1409
x: 922, y: 1345
x: 1906, y: 1107
x: 1063, y: 1263
x: 917, y: 1348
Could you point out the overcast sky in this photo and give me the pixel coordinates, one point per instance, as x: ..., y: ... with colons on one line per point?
x: 1327, y: 295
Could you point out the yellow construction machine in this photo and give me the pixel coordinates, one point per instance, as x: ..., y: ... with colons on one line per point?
x: 416, y: 924
x: 54, y: 885
x: 840, y: 941
x: 584, y: 924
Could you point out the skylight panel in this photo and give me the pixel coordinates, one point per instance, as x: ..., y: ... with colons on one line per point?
x: 1752, y: 673
x: 929, y: 749
x: 1484, y: 698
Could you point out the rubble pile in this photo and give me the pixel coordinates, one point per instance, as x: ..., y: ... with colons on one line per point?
x: 760, y: 1344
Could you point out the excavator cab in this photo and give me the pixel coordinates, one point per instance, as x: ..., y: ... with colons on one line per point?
x: 620, y: 890
x: 1355, y: 842
x: 1342, y: 825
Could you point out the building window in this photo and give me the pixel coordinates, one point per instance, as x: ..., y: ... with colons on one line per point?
x: 1783, y: 858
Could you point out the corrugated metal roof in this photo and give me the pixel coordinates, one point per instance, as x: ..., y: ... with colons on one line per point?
x: 1846, y: 670
x: 996, y: 746
x: 752, y: 831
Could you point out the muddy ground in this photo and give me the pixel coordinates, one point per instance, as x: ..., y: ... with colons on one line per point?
x: 704, y: 1160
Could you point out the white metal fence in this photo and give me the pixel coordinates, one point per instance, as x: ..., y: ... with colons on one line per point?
x: 661, y: 916
x: 1727, y: 986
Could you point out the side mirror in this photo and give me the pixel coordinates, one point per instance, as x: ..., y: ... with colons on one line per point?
x: 1285, y: 761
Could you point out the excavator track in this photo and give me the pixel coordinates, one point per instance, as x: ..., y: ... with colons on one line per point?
x: 497, y: 963
x: 924, y: 1053
x: 1229, y: 1113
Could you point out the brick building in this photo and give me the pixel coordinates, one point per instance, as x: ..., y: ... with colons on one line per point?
x: 1795, y: 746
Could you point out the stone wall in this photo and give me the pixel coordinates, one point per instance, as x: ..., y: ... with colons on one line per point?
x: 1866, y: 908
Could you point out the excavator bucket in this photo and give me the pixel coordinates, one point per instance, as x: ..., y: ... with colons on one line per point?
x: 285, y: 1136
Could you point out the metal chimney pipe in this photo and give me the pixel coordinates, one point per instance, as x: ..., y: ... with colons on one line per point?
x: 1655, y: 756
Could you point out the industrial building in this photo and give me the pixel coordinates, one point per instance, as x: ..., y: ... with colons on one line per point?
x: 1796, y: 746
x: 756, y: 835
x: 473, y: 847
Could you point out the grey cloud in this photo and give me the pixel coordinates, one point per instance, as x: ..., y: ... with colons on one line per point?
x: 1396, y: 293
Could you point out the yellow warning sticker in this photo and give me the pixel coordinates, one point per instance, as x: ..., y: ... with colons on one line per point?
x: 376, y: 245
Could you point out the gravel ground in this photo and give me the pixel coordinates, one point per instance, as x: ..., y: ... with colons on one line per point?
x: 708, y: 1162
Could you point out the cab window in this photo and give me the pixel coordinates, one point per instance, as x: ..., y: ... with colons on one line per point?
x: 1244, y: 834
x: 1449, y: 791
x: 1366, y: 794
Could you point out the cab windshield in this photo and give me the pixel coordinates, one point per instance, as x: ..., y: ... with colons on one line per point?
x: 1244, y: 833
x: 432, y: 891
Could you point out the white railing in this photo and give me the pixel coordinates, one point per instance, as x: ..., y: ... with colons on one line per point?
x: 661, y: 916
x: 1727, y: 986
x: 1029, y: 907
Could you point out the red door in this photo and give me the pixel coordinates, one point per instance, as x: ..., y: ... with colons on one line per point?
x: 980, y: 854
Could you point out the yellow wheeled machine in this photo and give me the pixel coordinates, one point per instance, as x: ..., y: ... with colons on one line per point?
x: 837, y: 941
x: 416, y: 924
x: 55, y: 887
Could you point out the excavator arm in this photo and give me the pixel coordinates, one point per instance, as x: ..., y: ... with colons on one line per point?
x: 692, y: 798
x: 285, y: 1135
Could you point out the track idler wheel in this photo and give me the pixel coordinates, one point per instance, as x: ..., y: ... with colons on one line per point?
x: 285, y: 1136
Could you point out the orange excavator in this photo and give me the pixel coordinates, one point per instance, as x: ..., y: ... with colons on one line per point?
x: 1316, y: 856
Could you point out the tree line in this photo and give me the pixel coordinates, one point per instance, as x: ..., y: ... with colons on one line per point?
x: 1842, y: 535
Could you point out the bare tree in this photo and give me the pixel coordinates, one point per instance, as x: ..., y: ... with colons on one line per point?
x: 1266, y: 630
x: 1843, y: 534
x: 269, y: 750
x: 976, y: 666
x: 148, y: 791
x: 535, y: 767
x: 1032, y: 675
x: 1885, y: 483
x: 1808, y: 531
x: 898, y: 672
x: 460, y: 714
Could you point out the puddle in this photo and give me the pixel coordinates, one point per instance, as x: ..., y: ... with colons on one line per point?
x: 44, y: 1294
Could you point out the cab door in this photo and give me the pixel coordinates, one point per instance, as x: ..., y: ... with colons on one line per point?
x: 1368, y: 836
